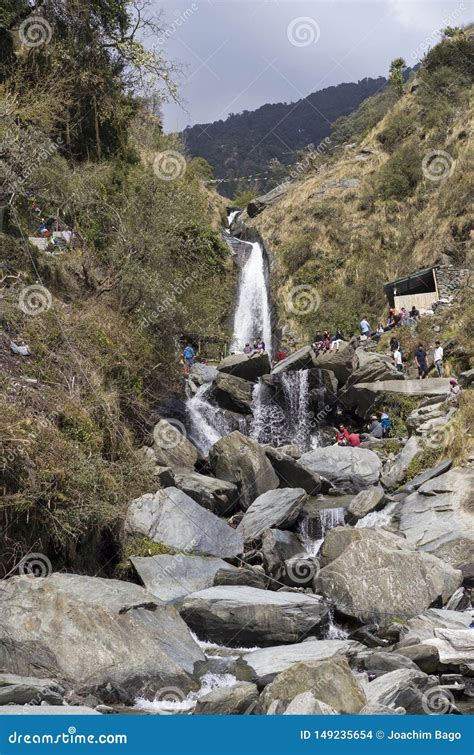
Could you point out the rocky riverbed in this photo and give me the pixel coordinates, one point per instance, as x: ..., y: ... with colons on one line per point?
x: 286, y: 580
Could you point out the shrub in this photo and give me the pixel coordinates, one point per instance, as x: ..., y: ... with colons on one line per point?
x: 400, y: 175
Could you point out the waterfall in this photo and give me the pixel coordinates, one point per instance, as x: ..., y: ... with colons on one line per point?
x: 282, y: 416
x: 231, y: 216
x: 328, y: 518
x: 252, y: 315
x: 207, y: 422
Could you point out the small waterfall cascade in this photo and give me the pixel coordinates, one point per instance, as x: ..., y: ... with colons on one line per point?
x: 335, y: 632
x: 283, y: 416
x: 206, y: 421
x: 329, y: 518
x: 252, y: 317
x: 231, y: 217
x: 378, y: 518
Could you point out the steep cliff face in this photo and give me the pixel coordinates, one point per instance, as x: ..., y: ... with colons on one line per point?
x: 389, y: 203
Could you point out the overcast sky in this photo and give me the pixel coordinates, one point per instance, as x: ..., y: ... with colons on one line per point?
x: 240, y: 54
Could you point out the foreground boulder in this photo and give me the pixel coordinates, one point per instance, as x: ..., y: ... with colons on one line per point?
x: 90, y: 632
x: 21, y: 690
x: 348, y: 469
x: 247, y: 368
x: 364, y: 398
x: 306, y: 704
x: 439, y: 518
x: 233, y: 393
x: 292, y: 474
x: 219, y: 496
x: 373, y: 580
x: 171, y: 448
x: 401, y: 688
x: 242, y: 461
x: 371, y: 499
x: 246, y: 616
x: 172, y: 518
x: 276, y: 508
x: 330, y: 681
x: 239, y: 699
x: 262, y: 666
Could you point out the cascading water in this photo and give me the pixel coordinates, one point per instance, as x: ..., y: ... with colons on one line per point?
x: 231, y: 217
x: 328, y: 518
x: 283, y: 416
x: 252, y: 317
x: 207, y: 422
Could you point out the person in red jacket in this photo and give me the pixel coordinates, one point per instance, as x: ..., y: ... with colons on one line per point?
x: 353, y: 439
x: 342, y: 435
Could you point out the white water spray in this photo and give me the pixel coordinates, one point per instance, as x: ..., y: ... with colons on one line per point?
x: 252, y: 316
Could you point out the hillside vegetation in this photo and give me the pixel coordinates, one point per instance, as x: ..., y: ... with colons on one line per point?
x: 103, y: 318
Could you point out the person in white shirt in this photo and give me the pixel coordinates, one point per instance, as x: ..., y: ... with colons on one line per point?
x: 365, y: 327
x: 438, y: 358
x: 398, y: 360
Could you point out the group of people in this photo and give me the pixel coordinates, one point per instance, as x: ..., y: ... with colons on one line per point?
x: 394, y: 320
x: 379, y: 427
x: 420, y: 358
x: 327, y: 342
x: 258, y: 347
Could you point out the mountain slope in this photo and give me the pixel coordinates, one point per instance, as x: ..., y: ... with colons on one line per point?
x: 245, y: 143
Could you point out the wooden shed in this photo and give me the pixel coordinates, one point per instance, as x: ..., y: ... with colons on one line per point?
x: 419, y: 289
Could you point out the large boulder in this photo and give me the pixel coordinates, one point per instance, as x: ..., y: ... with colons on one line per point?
x: 394, y: 472
x: 242, y: 461
x: 171, y: 448
x: 427, y: 475
x: 246, y: 616
x: 373, y: 580
x: 90, y: 632
x: 172, y: 518
x: 219, y: 496
x: 330, y: 681
x: 292, y: 474
x: 342, y: 362
x: 172, y: 577
x: 245, y: 367
x: 401, y: 688
x: 423, y: 627
x: 233, y: 393
x: 455, y: 648
x: 201, y: 373
x: 439, y: 517
x: 372, y: 367
x: 239, y: 699
x: 363, y: 398
x: 338, y: 539
x: 299, y: 360
x: 262, y: 666
x: 27, y: 690
x: 277, y: 547
x: 370, y: 499
x: 348, y: 469
x: 276, y: 508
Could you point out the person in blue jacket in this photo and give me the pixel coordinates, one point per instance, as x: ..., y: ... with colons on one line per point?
x: 188, y: 355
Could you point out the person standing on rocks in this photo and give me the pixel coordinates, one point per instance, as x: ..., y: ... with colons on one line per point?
x: 364, y: 327
x: 421, y: 361
x: 438, y: 358
x: 398, y: 359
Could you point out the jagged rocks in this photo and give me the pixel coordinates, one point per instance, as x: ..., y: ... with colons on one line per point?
x: 172, y: 577
x: 89, y: 632
x: 402, y: 688
x: 245, y: 367
x: 429, y: 474
x: 373, y: 580
x: 21, y: 690
x: 380, y: 663
x: 394, y: 472
x: 348, y: 469
x: 330, y: 681
x: 262, y: 666
x: 342, y: 363
x: 239, y: 699
x: 371, y: 499
x: 307, y: 705
x: 277, y: 547
x: 219, y: 496
x: 172, y: 518
x: 276, y: 508
x: 233, y: 393
x: 246, y: 616
x: 292, y: 474
x: 439, y: 519
x: 171, y: 448
x: 242, y: 461
x: 363, y: 398
x: 339, y: 539
x: 371, y: 368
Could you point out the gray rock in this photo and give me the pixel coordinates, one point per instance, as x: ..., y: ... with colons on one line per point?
x: 349, y: 469
x: 422, y: 627
x: 330, y: 681
x: 371, y: 499
x: 342, y: 363
x: 365, y: 397
x: 372, y: 367
x: 247, y: 368
x: 424, y: 413
x: 372, y: 580
x: 172, y: 518
x: 91, y: 632
x: 439, y: 518
x: 246, y: 616
x: 47, y: 710
x: 292, y: 474
x: 338, y: 539
x: 202, y: 373
x: 455, y: 647
x: 262, y: 666
x: 372, y: 709
x: 430, y: 474
x: 404, y: 687
x: 466, y: 378
x: 299, y: 360
x: 243, y: 577
x: 233, y: 393
x: 382, y: 663
x: 306, y: 704
x: 172, y: 577
x: 219, y: 496
x: 276, y: 508
x: 394, y: 472
x: 240, y: 699
x: 242, y: 461
x: 171, y: 448
x: 277, y: 547
x: 24, y: 690
x: 424, y: 656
